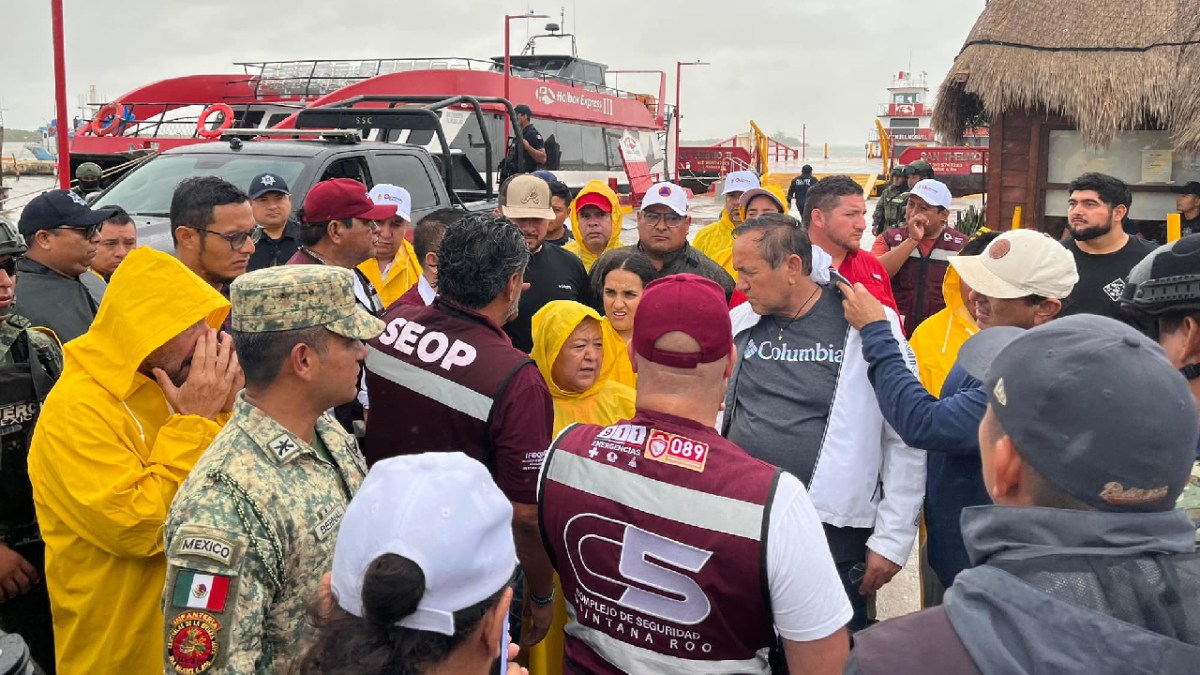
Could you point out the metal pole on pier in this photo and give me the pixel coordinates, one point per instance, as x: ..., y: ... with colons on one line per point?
x: 60, y: 96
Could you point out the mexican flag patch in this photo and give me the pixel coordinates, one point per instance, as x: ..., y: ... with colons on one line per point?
x: 199, y: 590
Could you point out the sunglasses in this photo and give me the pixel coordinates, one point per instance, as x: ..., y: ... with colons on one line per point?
x: 88, y: 231
x: 9, y: 266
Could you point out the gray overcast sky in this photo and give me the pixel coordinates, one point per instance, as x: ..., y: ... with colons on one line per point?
x: 783, y: 63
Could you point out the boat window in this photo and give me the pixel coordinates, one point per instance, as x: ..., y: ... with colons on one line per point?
x: 410, y: 173
x: 592, y: 73
x: 570, y: 144
x: 277, y: 118
x: 148, y: 189
x: 594, y: 152
x: 354, y: 168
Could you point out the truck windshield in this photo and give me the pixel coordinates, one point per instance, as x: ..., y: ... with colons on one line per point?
x: 148, y: 189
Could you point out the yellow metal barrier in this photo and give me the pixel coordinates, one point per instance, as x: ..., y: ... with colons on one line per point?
x: 1016, y: 222
x: 1174, y: 226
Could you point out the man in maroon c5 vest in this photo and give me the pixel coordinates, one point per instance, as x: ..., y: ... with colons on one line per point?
x: 445, y: 378
x: 916, y: 255
x: 677, y: 550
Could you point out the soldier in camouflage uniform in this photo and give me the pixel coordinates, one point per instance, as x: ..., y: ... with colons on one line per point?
x: 30, y: 363
x: 886, y: 214
x: 252, y: 529
x: 1163, y: 291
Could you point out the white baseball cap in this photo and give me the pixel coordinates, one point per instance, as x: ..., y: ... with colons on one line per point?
x: 443, y: 511
x: 1019, y: 263
x: 669, y: 194
x: 386, y: 194
x: 740, y: 181
x: 934, y: 192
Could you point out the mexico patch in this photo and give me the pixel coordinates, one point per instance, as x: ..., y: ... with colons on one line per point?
x: 192, y: 642
x: 677, y: 450
x: 200, y: 590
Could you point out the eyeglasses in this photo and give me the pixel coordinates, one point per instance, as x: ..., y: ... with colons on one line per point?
x: 236, y: 239
x: 669, y: 219
x: 88, y: 231
x: 10, y: 266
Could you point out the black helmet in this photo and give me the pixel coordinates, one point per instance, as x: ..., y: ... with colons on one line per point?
x: 11, y: 241
x: 1167, y: 280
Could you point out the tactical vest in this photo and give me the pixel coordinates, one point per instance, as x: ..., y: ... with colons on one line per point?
x: 917, y: 285
x: 434, y: 377
x: 658, y: 530
x: 24, y: 384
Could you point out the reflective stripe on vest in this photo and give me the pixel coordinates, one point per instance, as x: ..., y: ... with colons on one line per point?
x: 938, y: 254
x: 633, y: 659
x: 680, y: 504
x: 446, y: 392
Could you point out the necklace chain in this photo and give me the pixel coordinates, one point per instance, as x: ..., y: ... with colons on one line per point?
x: 797, y: 314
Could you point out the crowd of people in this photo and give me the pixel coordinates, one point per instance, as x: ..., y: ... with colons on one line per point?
x: 321, y: 438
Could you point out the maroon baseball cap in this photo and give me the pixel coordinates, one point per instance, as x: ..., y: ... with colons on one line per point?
x: 689, y: 304
x: 341, y: 199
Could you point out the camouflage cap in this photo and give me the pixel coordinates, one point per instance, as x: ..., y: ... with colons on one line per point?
x: 294, y: 297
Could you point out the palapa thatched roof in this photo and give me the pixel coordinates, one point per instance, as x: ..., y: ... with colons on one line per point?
x: 1110, y: 65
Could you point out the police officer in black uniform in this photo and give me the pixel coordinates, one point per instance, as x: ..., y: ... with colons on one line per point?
x: 526, y: 153
x: 30, y: 362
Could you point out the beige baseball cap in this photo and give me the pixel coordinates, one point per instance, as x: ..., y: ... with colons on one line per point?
x: 526, y: 196
x: 1017, y: 264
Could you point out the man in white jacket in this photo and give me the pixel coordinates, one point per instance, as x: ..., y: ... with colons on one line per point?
x: 800, y: 399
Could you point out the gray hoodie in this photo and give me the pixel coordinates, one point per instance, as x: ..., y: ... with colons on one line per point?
x: 1011, y: 626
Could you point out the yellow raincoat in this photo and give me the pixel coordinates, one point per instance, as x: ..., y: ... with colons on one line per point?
x: 715, y: 240
x: 404, y: 272
x: 106, y: 460
x: 617, y: 366
x: 604, y: 403
x: 614, y: 240
x: 937, y: 340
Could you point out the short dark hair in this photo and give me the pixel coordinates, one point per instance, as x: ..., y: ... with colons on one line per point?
x: 392, y: 588
x: 827, y: 192
x: 428, y: 232
x: 262, y: 354
x: 629, y: 259
x: 120, y: 217
x: 1113, y: 191
x: 195, y: 198
x: 977, y: 243
x: 782, y: 236
x: 477, y: 257
x: 559, y: 189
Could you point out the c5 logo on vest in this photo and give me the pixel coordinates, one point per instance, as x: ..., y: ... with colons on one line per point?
x: 619, y: 563
x: 409, y: 337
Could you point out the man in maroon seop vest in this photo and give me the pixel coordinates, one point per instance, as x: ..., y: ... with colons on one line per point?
x: 917, y: 254
x: 446, y: 378
x: 678, y: 551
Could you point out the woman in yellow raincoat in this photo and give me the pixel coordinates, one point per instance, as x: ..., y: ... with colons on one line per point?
x: 618, y: 279
x: 569, y: 351
x: 715, y: 240
x: 595, y: 222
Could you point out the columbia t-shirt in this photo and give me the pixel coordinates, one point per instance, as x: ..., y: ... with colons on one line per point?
x: 1102, y: 277
x: 781, y: 394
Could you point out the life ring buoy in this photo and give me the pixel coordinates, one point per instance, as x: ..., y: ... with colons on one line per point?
x: 112, y: 111
x: 202, y: 123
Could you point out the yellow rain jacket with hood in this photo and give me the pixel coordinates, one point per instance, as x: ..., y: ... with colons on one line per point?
x: 614, y: 240
x: 402, y: 274
x: 106, y: 460
x: 617, y: 366
x: 715, y: 240
x: 937, y: 340
x: 604, y: 403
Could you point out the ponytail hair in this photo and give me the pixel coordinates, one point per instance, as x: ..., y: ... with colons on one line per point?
x: 374, y: 644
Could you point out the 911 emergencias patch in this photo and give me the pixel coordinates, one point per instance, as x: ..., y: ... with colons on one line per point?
x: 192, y: 642
x: 672, y: 449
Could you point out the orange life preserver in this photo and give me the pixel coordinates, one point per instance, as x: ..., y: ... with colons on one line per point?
x: 99, y: 127
x: 201, y: 126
